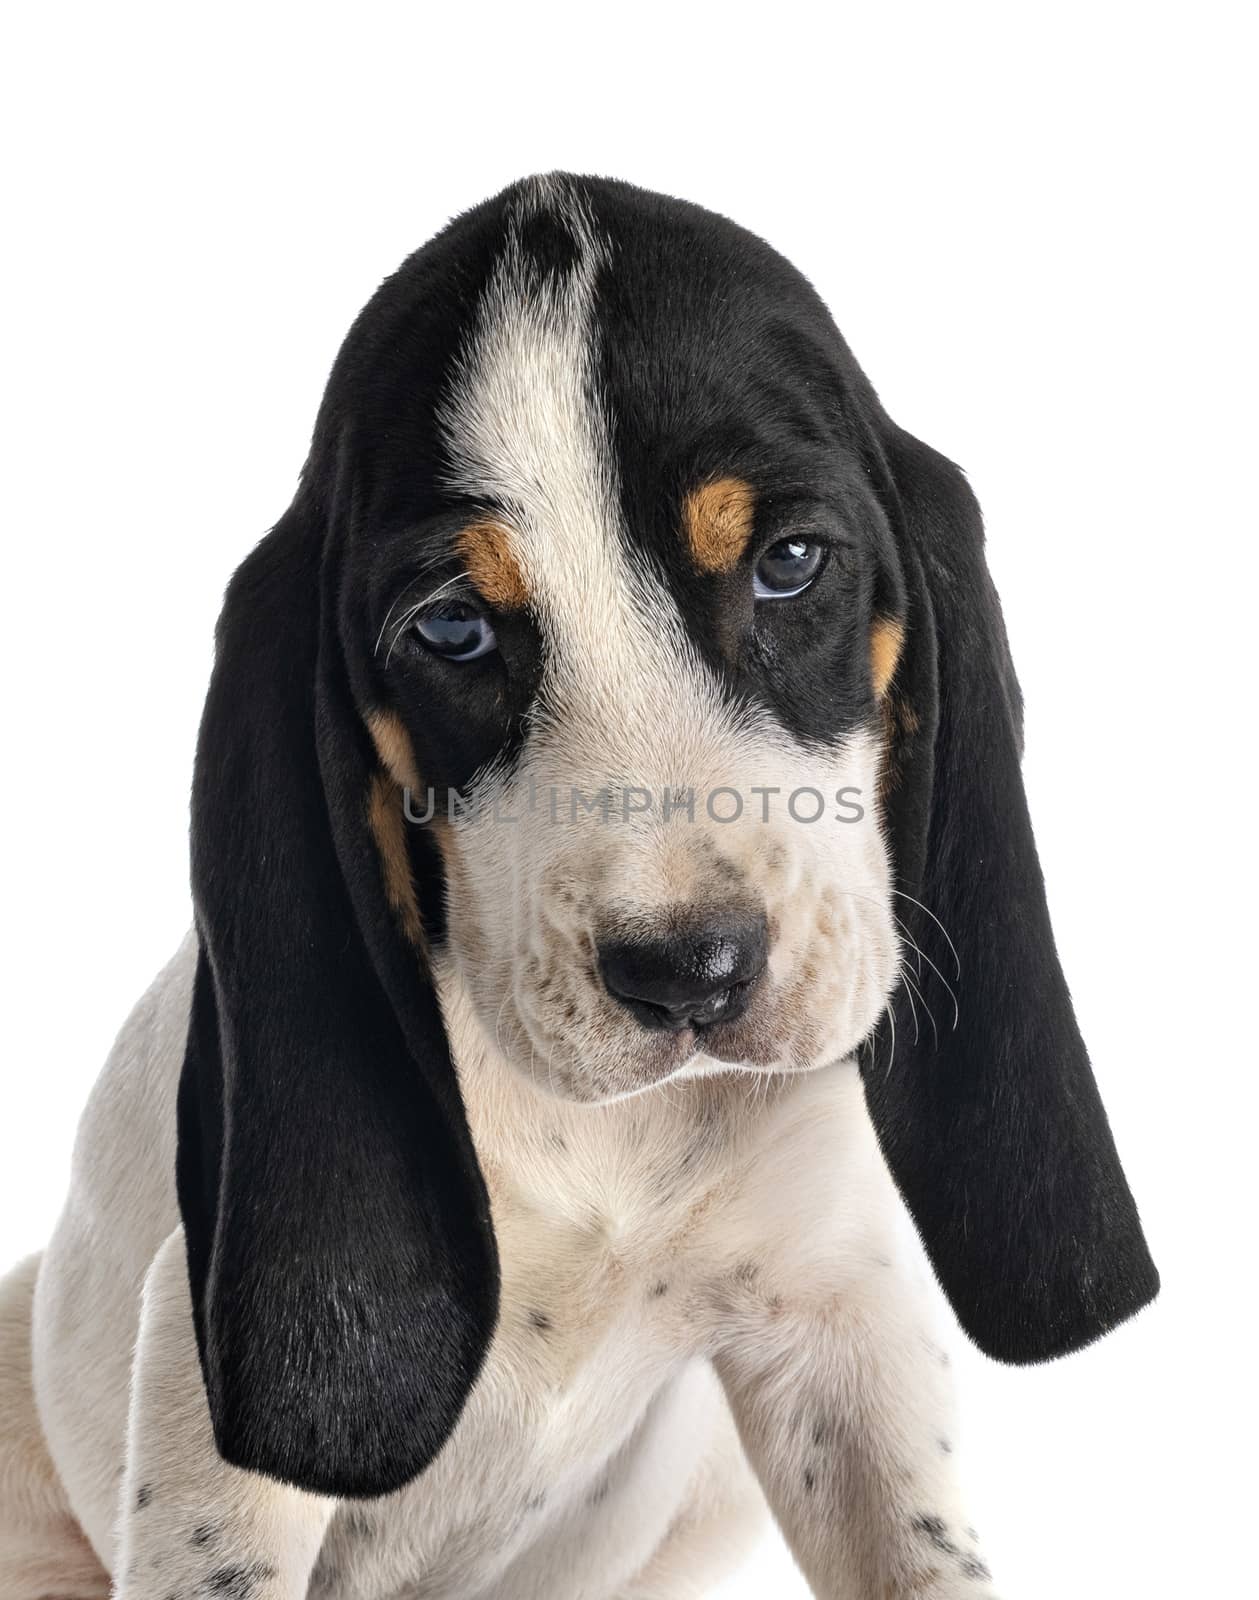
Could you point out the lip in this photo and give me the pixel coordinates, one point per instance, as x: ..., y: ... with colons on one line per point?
x: 741, y: 1043
x: 746, y: 1040
x: 736, y: 1051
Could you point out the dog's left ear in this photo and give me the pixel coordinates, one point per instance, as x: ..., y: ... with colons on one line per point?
x: 995, y: 1133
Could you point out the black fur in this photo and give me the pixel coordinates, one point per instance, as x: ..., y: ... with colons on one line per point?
x: 717, y: 358
x: 343, y: 1270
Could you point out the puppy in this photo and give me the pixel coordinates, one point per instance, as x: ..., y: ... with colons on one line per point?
x: 616, y: 913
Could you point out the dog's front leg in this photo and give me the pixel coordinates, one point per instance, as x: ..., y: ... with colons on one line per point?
x: 190, y: 1525
x: 843, y: 1401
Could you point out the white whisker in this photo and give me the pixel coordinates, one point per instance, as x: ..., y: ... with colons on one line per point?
x: 907, y: 980
x: 930, y: 1014
x: 900, y: 893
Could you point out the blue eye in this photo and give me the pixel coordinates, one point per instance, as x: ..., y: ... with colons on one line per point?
x: 787, y: 568
x: 457, y: 633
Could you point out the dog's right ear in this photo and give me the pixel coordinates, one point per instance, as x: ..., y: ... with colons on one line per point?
x: 342, y: 1263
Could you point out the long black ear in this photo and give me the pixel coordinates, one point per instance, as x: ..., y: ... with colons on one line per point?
x: 343, y: 1270
x: 996, y: 1134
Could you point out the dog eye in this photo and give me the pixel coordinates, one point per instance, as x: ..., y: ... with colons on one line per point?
x: 457, y: 633
x: 787, y: 568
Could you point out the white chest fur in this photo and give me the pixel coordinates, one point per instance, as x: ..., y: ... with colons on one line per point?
x: 636, y: 1239
x: 627, y: 1233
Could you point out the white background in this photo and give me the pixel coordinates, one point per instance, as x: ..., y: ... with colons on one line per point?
x: 1029, y: 224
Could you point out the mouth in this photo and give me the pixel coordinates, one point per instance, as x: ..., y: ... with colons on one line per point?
x: 637, y: 1058
x: 728, y: 1036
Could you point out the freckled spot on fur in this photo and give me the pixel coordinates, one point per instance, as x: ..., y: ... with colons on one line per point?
x: 971, y: 1534
x: 237, y: 1582
x: 973, y: 1567
x: 144, y: 1495
x: 936, y: 1532
x: 536, y: 1501
x: 359, y: 1525
x: 746, y: 1273
x: 601, y: 1490
x: 540, y: 1321
x: 659, y: 1289
x: 946, y: 1448
x: 204, y: 1535
x: 883, y: 1261
x: 810, y: 1480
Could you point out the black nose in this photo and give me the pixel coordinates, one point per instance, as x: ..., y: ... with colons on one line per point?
x: 687, y: 979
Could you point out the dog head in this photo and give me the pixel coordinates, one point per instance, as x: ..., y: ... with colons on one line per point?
x: 618, y: 647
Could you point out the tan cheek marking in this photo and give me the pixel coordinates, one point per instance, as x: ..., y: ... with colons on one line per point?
x: 887, y: 636
x: 717, y: 520
x: 384, y: 815
x: 494, y: 571
x: 900, y: 721
x: 393, y: 746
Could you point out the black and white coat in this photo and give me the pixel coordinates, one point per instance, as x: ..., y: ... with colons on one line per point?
x: 511, y: 1204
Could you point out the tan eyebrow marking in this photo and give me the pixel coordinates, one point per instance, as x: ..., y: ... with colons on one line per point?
x: 393, y: 746
x: 385, y: 818
x: 494, y: 570
x: 887, y: 637
x: 717, y: 519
